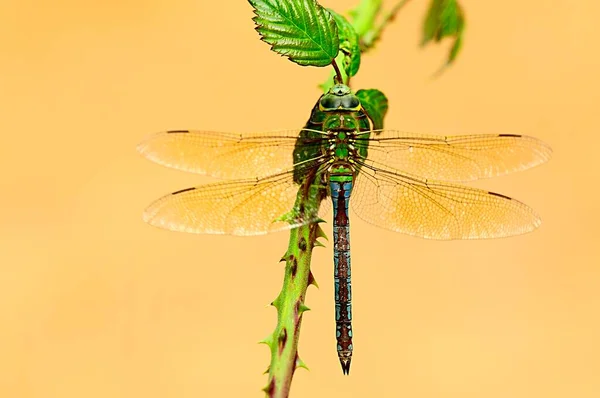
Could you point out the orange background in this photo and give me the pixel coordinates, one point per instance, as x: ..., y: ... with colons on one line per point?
x: 95, y: 303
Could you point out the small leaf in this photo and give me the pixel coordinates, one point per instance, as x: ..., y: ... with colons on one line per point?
x: 349, y: 43
x: 444, y: 19
x: 455, y: 48
x: 301, y: 30
x: 431, y: 23
x: 375, y: 105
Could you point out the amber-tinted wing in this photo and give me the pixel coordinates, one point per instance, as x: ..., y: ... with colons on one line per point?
x: 455, y: 158
x: 431, y: 209
x: 224, y: 155
x: 241, y: 207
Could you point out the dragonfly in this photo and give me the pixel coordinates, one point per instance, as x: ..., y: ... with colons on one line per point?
x: 404, y: 182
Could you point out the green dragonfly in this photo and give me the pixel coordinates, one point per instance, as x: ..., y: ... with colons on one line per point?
x: 397, y: 180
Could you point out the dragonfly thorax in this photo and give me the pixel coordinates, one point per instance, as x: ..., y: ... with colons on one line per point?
x: 330, y: 134
x: 335, y: 121
x: 341, y: 145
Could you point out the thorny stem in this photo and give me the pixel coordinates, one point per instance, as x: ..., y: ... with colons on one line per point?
x: 290, y: 306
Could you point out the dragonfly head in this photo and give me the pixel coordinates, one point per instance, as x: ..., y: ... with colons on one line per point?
x: 339, y: 97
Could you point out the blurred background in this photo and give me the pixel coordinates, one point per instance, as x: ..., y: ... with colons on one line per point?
x: 95, y: 303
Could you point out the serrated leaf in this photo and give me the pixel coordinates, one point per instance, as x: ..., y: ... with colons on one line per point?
x: 375, y: 104
x: 349, y: 43
x: 444, y: 19
x: 301, y: 30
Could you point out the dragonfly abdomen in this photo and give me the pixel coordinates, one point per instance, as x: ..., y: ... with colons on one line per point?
x: 341, y: 187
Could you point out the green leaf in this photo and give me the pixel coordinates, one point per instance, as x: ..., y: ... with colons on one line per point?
x: 349, y: 44
x: 301, y: 30
x: 444, y: 19
x: 455, y: 48
x: 375, y: 105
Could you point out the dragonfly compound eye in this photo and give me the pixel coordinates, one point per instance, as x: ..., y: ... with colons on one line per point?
x: 330, y: 102
x: 350, y: 101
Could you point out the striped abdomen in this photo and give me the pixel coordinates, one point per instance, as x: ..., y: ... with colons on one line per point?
x: 341, y: 187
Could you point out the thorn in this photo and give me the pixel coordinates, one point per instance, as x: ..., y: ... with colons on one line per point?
x: 318, y: 244
x: 312, y: 280
x: 275, y: 303
x: 270, y: 388
x: 320, y: 233
x: 268, y: 370
x: 284, y: 258
x: 300, y: 363
x: 267, y: 340
x: 302, y: 308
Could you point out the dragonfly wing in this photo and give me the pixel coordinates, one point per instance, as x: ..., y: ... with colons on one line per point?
x: 455, y: 158
x: 436, y: 210
x: 240, y: 207
x: 224, y: 155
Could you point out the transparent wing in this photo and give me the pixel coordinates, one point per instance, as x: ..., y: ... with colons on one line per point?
x: 436, y: 210
x: 224, y: 155
x: 241, y: 207
x: 455, y: 158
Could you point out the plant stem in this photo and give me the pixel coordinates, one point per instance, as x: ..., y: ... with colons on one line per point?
x: 338, y: 74
x: 363, y: 19
x: 290, y: 306
x: 365, y: 25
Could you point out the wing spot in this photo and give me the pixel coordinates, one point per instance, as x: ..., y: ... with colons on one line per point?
x: 500, y: 195
x: 510, y: 135
x: 182, y: 190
